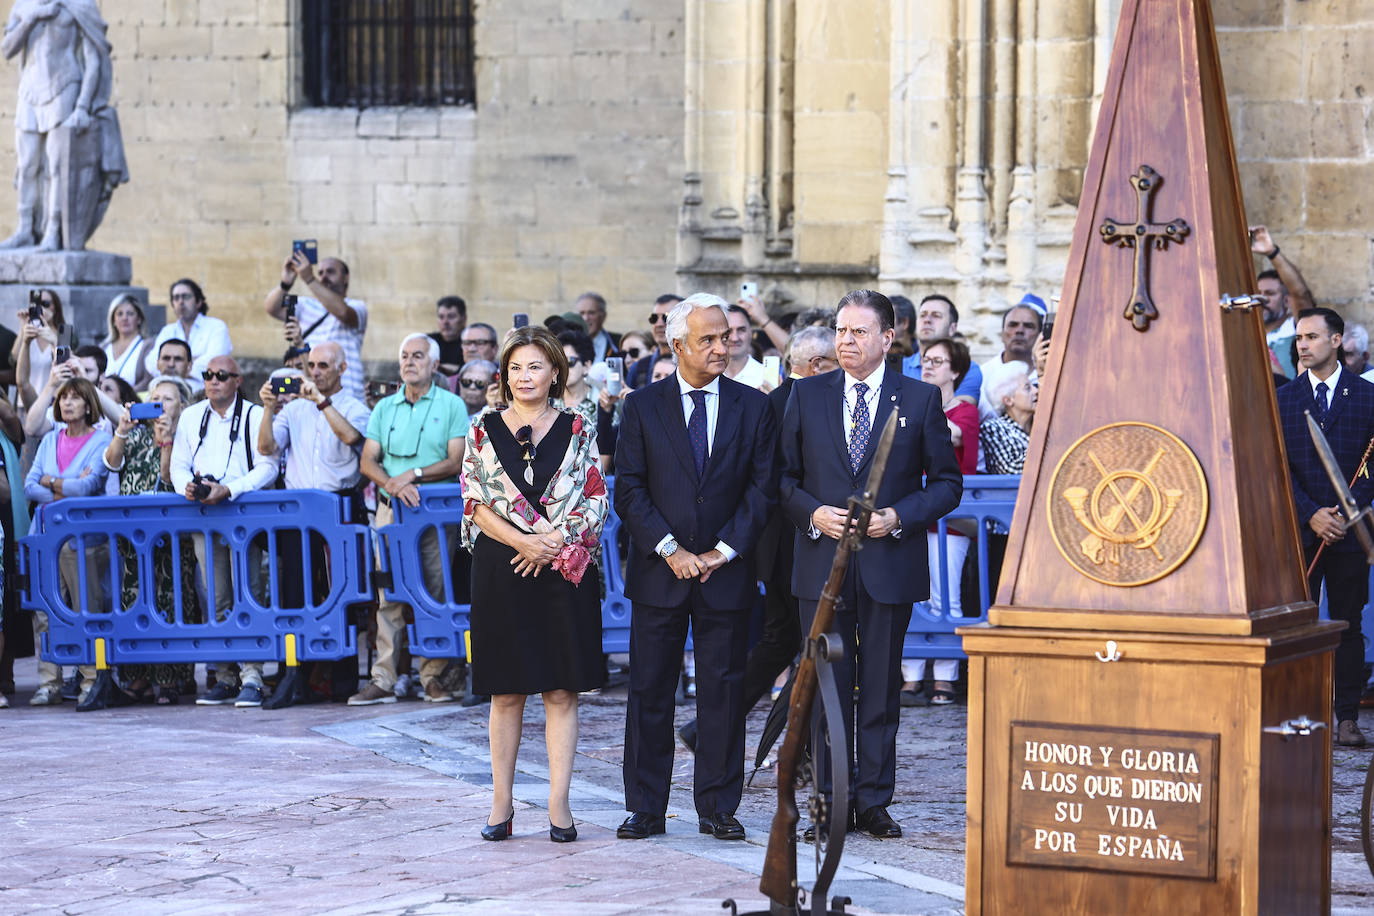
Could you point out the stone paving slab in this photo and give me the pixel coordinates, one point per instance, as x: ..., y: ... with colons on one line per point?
x: 327, y: 809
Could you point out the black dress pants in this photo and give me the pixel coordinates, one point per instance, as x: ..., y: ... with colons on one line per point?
x: 1346, y: 575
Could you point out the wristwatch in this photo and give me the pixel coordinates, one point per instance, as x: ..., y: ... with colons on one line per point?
x: 419, y: 472
x: 668, y: 549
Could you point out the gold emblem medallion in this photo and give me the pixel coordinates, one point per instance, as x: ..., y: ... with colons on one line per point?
x: 1127, y: 505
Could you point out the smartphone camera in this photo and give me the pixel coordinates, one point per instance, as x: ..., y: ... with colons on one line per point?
x: 290, y: 384
x: 36, y: 306
x: 288, y: 302
x: 520, y: 320
x: 311, y: 247
x: 61, y: 355
x: 148, y: 411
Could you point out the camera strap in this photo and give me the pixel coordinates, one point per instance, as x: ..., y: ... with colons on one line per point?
x: 235, y: 426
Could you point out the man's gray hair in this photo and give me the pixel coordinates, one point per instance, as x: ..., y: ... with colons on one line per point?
x: 808, y: 343
x: 677, y: 318
x: 433, y: 345
x: 1357, y: 338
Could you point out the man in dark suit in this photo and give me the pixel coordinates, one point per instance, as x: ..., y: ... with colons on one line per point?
x: 1343, y: 404
x: 829, y: 434
x: 810, y: 351
x: 694, y: 485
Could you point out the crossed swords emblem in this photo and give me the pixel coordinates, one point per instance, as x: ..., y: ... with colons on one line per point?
x: 1106, y: 536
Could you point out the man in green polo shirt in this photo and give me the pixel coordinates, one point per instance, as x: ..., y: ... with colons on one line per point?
x: 414, y: 437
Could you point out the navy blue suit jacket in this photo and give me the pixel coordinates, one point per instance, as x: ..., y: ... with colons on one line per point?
x: 922, y: 482
x: 658, y: 491
x: 1349, y: 426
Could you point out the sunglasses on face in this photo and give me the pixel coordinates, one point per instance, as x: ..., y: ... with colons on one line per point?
x: 574, y: 362
x: 474, y: 383
x: 218, y: 375
x: 633, y: 352
x: 655, y: 318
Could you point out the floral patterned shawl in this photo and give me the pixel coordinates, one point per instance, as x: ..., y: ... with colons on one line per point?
x: 575, y: 501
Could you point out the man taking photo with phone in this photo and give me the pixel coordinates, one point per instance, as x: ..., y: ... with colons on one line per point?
x: 327, y: 314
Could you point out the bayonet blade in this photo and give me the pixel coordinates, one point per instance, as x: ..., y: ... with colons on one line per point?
x: 1349, y: 507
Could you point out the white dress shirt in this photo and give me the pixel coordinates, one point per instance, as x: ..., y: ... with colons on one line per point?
x: 1330, y: 381
x: 216, y: 456
x: 318, y: 459
x: 209, y: 338
x: 310, y: 310
x: 712, y: 390
x: 870, y: 404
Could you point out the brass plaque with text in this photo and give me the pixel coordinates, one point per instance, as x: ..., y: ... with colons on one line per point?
x: 1112, y: 799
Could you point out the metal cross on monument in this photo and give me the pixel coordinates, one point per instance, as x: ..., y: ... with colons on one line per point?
x: 1140, y: 311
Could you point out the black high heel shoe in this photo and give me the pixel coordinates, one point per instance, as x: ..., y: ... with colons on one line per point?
x: 562, y: 834
x: 499, y: 831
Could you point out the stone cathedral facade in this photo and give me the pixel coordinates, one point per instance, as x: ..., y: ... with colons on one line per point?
x: 642, y: 146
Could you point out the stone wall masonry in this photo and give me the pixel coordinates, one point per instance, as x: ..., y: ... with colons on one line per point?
x: 565, y: 176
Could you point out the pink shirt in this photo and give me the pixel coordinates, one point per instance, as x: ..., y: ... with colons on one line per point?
x: 68, y: 446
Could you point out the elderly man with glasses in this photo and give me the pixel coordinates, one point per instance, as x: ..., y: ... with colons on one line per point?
x: 414, y: 437
x: 213, y: 460
x: 479, y: 342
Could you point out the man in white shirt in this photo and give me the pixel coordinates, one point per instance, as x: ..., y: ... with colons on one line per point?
x: 321, y: 432
x: 213, y: 460
x: 207, y: 337
x: 743, y: 368
x: 327, y: 314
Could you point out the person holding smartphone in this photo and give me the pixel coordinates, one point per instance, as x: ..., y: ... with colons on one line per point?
x: 326, y: 313
x: 140, y: 453
x: 37, y: 341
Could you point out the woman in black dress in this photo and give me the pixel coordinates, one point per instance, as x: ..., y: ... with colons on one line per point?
x: 534, y: 505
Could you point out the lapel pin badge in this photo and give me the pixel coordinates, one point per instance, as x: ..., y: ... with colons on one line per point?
x: 901, y: 421
x: 1345, y: 392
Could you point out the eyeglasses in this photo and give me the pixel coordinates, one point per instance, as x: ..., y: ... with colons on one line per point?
x: 218, y: 375
x: 474, y: 383
x: 655, y: 317
x: 183, y: 297
x: 480, y: 343
x: 633, y: 352
x: 933, y: 362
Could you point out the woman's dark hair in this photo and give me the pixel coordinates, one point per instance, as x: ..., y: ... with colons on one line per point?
x: 127, y: 395
x: 87, y: 393
x: 581, y: 344
x: 959, y: 360
x: 59, y: 318
x: 536, y: 336
x: 195, y: 291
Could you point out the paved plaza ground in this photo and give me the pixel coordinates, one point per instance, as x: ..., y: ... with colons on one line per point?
x: 327, y: 809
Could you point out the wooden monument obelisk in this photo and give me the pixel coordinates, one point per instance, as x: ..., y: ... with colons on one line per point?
x: 1152, y: 618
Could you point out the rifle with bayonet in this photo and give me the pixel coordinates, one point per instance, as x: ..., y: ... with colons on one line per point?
x: 779, y: 881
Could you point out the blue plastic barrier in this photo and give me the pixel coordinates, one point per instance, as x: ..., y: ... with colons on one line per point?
x: 987, y: 498
x: 248, y: 526
x: 440, y: 621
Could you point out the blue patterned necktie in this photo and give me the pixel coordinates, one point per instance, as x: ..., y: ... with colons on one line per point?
x: 858, y: 435
x: 1321, y: 403
x: 696, y: 429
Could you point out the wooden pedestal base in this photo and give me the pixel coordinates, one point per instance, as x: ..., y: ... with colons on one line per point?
x: 1147, y: 784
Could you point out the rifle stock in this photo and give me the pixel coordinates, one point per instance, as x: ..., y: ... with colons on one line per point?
x: 779, y: 879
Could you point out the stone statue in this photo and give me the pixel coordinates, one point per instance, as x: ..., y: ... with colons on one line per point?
x: 70, y: 152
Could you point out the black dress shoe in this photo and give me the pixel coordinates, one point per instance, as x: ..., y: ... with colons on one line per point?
x: 640, y: 825
x: 877, y: 822
x: 721, y: 826
x: 499, y: 831
x: 688, y: 736
x: 562, y: 834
